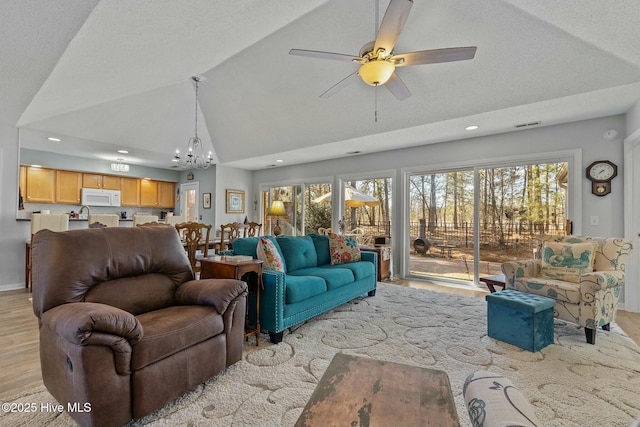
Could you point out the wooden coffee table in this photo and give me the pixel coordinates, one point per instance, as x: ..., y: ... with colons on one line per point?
x: 358, y: 391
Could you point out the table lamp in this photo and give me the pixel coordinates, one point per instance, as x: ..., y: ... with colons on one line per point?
x: 277, y: 210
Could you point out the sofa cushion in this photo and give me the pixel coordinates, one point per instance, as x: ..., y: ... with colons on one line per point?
x: 335, y: 277
x: 566, y: 261
x: 172, y: 329
x: 269, y: 253
x: 343, y: 249
x: 298, y: 251
x: 360, y: 270
x: 321, y: 242
x: 300, y: 288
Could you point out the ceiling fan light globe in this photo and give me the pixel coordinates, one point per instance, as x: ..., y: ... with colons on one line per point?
x: 377, y: 72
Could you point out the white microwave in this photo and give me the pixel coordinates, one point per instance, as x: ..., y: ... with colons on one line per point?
x: 97, y: 197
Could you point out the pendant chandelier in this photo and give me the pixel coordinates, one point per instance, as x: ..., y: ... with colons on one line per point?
x: 194, y: 157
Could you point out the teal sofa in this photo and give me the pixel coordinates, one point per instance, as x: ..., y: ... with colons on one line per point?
x: 310, y: 285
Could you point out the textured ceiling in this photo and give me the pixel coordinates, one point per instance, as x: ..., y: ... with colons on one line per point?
x: 111, y: 74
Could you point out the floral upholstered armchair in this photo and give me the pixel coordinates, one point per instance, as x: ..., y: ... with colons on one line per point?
x: 584, y: 275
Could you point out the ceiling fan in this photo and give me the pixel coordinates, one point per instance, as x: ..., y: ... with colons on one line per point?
x: 377, y: 59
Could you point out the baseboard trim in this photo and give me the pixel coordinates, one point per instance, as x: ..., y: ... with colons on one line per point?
x: 11, y: 287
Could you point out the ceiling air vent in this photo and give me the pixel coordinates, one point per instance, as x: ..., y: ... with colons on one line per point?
x: 525, y: 125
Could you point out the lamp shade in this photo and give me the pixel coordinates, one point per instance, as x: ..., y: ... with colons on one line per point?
x: 376, y: 72
x: 277, y: 208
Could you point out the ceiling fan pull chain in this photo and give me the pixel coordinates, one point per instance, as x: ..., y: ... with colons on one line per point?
x: 375, y: 113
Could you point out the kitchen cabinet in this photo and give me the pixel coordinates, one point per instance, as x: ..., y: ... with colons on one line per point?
x: 40, y: 185
x: 104, y: 182
x: 68, y: 185
x: 166, y: 194
x: 157, y: 194
x: 129, y: 191
x: 148, y: 193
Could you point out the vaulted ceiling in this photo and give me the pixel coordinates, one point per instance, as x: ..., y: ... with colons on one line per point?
x: 111, y: 74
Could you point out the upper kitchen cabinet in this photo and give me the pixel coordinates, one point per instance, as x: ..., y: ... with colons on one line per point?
x: 39, y: 184
x: 68, y: 185
x: 129, y: 191
x: 157, y: 194
x: 104, y: 182
x: 166, y: 194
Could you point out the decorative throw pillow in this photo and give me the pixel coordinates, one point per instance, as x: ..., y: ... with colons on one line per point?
x: 343, y: 249
x: 268, y: 253
x: 567, y: 261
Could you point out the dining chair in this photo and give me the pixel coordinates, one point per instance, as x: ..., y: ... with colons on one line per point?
x: 53, y: 222
x: 228, y: 233
x: 193, y: 236
x: 108, y: 220
x: 252, y: 229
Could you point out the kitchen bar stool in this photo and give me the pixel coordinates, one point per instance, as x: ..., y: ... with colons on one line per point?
x: 53, y: 222
x: 109, y: 220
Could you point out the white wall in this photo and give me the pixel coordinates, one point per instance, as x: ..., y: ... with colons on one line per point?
x: 13, y: 234
x: 633, y: 119
x: 228, y: 178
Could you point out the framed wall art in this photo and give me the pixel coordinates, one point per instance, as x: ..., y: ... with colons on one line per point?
x: 235, y: 201
x: 206, y: 200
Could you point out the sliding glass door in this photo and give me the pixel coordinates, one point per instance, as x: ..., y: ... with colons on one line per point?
x: 465, y: 223
x: 306, y: 208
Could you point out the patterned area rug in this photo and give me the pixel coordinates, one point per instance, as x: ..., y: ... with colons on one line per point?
x: 570, y: 383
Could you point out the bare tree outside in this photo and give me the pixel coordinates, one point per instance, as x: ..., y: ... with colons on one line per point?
x: 516, y: 205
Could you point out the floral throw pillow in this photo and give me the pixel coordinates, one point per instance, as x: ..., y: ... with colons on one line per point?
x: 567, y: 261
x: 343, y: 249
x: 268, y: 253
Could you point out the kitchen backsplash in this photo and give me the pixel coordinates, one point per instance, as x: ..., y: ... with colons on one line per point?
x: 30, y: 208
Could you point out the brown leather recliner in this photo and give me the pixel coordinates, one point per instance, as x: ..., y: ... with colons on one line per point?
x: 124, y: 328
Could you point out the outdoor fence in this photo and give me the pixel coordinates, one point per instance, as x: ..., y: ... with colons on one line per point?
x: 516, y: 235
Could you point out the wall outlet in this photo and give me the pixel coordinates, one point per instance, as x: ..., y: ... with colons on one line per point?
x: 595, y: 220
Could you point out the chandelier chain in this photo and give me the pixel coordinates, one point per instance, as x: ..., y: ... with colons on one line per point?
x: 194, y: 157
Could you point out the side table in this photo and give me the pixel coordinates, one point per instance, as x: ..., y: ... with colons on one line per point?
x: 219, y: 268
x: 492, y: 281
x: 384, y: 260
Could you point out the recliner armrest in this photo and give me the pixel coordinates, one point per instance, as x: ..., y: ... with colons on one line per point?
x: 89, y: 323
x: 218, y: 293
x: 78, y: 321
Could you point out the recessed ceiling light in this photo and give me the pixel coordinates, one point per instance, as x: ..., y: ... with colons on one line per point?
x: 472, y: 127
x: 36, y: 166
x: 54, y: 139
x: 279, y: 161
x: 123, y: 152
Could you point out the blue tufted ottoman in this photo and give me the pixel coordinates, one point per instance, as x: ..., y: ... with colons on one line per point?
x: 519, y: 318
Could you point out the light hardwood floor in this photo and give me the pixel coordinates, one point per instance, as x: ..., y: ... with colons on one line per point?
x: 19, y: 351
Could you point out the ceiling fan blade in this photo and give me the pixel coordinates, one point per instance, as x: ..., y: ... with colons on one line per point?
x: 340, y: 85
x: 392, y: 24
x: 325, y: 55
x: 434, y: 56
x: 397, y: 87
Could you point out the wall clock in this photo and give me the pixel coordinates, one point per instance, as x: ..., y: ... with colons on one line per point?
x: 601, y: 172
